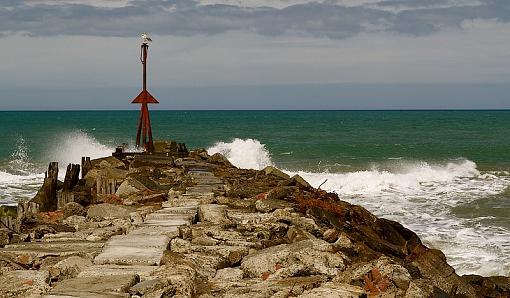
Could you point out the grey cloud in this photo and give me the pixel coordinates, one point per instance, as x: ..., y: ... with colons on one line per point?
x: 185, y: 18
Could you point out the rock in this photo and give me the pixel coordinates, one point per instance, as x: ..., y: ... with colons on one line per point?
x: 333, y: 290
x: 218, y: 158
x: 149, y: 286
x: 305, y: 223
x: 228, y: 274
x: 317, y: 255
x: 129, y: 187
x: 213, y: 213
x: 269, y: 204
x: 422, y: 288
x: 135, y: 218
x: 378, y: 272
x: 75, y: 221
x: 181, y: 276
x: 277, y: 193
x: 73, y: 208
x: 296, y: 234
x: 270, y: 170
x: 24, y: 283
x: 107, y: 211
x: 5, y: 237
x: 432, y: 265
x: 105, y: 233
x: 39, y: 231
x: 108, y: 162
x: 69, y: 268
x: 180, y: 246
x: 230, y: 255
x: 298, y: 180
x: 489, y: 286
x: 343, y: 242
x: 330, y: 235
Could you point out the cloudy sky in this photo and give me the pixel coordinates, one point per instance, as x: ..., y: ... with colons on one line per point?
x: 230, y: 54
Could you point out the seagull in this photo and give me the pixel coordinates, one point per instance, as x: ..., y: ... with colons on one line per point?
x: 145, y: 37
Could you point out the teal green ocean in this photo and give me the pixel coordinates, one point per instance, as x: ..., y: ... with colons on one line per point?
x: 444, y: 174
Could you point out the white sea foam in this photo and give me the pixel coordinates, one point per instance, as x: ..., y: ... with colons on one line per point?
x: 245, y: 154
x: 419, y: 195
x: 70, y: 147
x: 20, y: 178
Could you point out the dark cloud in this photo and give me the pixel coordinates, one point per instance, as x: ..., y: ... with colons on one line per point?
x: 185, y: 18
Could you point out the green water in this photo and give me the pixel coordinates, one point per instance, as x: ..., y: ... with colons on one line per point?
x: 296, y: 139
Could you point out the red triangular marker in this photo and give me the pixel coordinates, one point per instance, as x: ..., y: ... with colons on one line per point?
x: 145, y: 97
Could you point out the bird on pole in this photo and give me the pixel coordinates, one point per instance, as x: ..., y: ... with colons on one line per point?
x: 144, y: 132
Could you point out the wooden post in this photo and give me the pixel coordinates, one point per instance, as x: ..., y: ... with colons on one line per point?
x: 72, y: 177
x: 86, y: 165
x: 46, y: 197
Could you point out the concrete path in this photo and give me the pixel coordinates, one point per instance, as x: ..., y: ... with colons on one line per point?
x: 127, y: 259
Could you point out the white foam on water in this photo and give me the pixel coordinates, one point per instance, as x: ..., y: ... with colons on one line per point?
x: 419, y: 195
x: 244, y: 154
x: 20, y: 178
x: 70, y: 147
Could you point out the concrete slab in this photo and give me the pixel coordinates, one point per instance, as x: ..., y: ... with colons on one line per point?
x: 138, y: 240
x: 114, y: 284
x: 170, y: 231
x: 181, y: 202
x: 108, y: 270
x: 194, y: 173
x: 167, y: 222
x: 81, y: 294
x: 201, y: 189
x: 56, y: 248
x: 124, y: 255
x: 178, y: 210
x: 185, y: 218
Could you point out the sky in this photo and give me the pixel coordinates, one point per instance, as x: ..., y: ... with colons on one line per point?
x: 256, y: 54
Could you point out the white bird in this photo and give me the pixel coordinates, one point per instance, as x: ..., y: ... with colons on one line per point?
x: 145, y: 37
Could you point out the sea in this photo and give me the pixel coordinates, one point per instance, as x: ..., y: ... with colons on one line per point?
x: 443, y: 174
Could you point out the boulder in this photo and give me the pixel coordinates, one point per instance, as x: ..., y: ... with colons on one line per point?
x: 105, y: 233
x: 330, y: 235
x: 432, y: 265
x: 108, y: 162
x: 69, y: 268
x: 147, y: 287
x: 316, y: 255
x: 129, y: 187
x: 213, y: 213
x: 228, y: 274
x: 379, y: 276
x: 75, y: 221
x: 331, y: 290
x: 218, y: 158
x: 107, y: 211
x: 39, y: 231
x: 277, y: 193
x: 24, y: 283
x: 298, y: 180
x: 73, y: 208
x: 270, y: 170
x: 180, y: 246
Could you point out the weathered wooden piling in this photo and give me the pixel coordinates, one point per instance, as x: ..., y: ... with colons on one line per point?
x: 46, y: 197
x: 72, y: 177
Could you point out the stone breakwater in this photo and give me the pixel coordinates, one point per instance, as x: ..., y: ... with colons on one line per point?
x: 193, y: 225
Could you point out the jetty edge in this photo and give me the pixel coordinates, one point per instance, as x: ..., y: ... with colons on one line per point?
x: 187, y: 224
